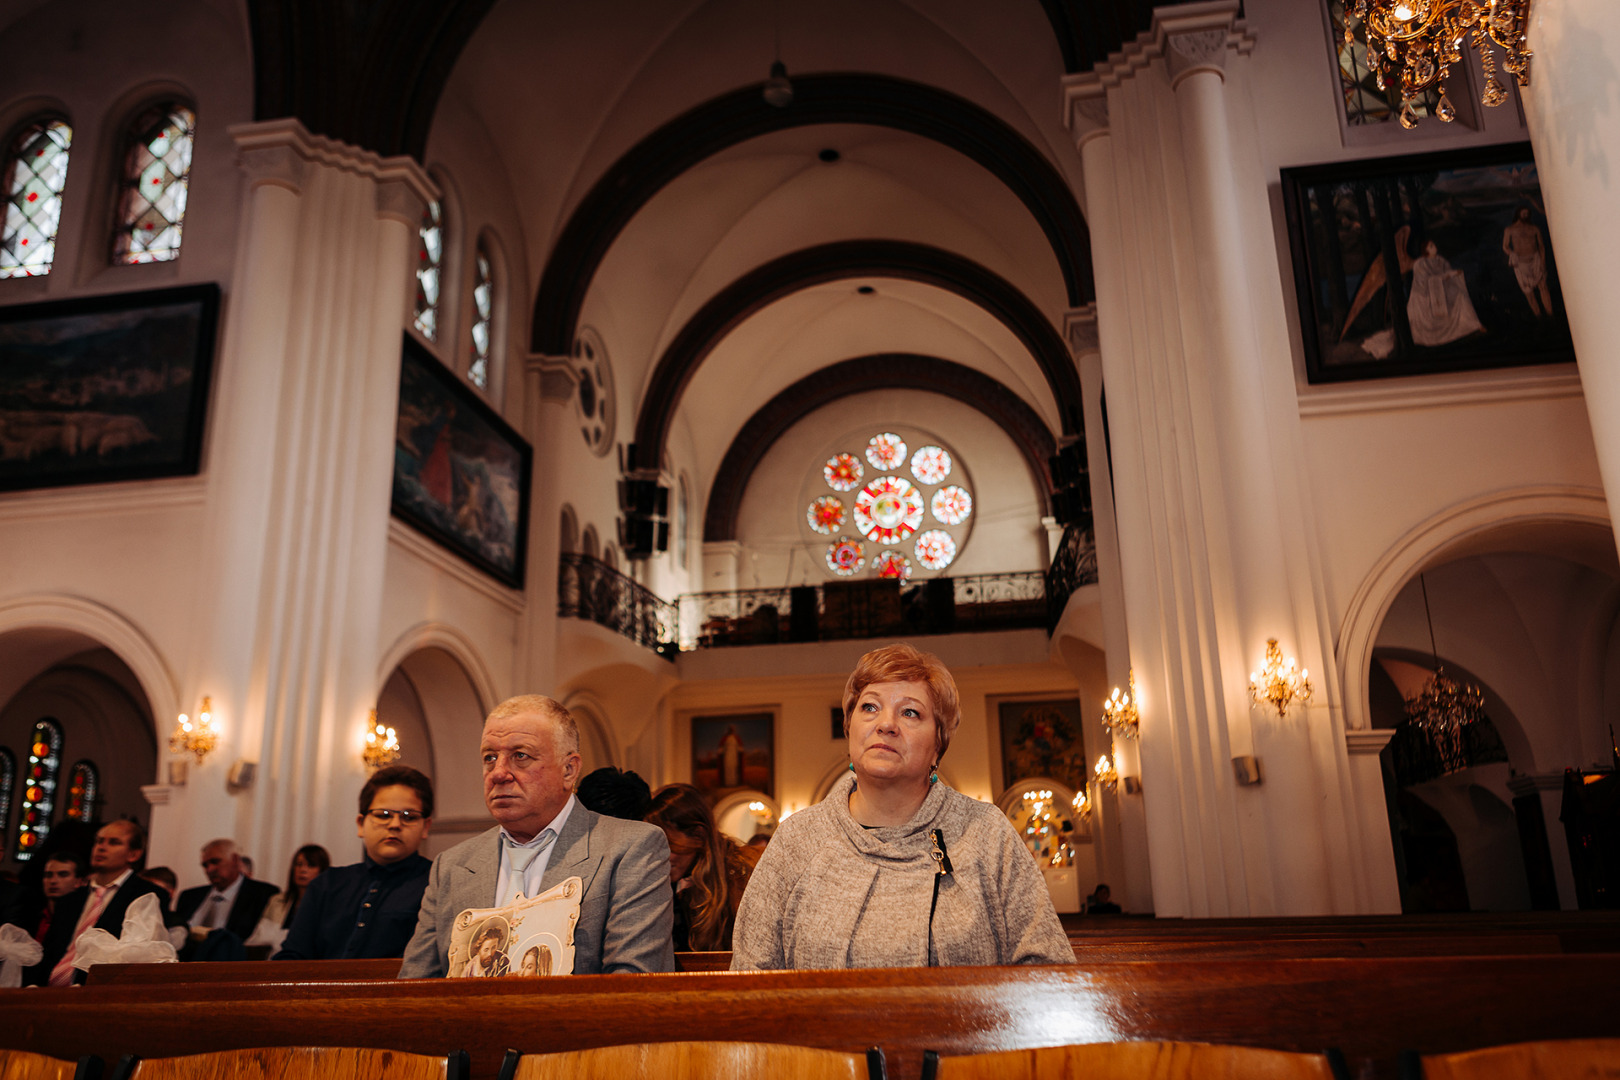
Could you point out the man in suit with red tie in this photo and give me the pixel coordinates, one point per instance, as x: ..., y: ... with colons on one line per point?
x: 113, y: 886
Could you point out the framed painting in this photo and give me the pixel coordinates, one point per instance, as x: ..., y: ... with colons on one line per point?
x: 105, y: 388
x: 1422, y: 264
x: 1043, y: 738
x: 732, y: 752
x: 461, y: 473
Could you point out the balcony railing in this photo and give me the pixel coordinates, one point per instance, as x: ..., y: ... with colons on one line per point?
x: 588, y: 588
x: 840, y: 610
x: 1074, y: 565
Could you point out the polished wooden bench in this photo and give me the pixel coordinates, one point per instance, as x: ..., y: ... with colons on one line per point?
x: 1371, y: 1009
x: 300, y: 971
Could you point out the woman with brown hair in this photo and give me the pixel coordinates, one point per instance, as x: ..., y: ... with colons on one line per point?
x: 707, y: 869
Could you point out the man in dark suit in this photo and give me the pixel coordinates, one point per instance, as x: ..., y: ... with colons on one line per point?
x: 113, y: 887
x: 230, y: 901
x: 530, y: 750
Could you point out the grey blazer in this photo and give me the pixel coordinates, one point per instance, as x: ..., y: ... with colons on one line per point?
x: 626, y: 917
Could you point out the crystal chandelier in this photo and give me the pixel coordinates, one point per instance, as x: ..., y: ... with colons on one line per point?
x: 1119, y: 711
x: 198, y: 739
x: 1279, y: 683
x: 1414, y: 43
x: 382, y: 745
x: 1104, y: 773
x: 1443, y: 709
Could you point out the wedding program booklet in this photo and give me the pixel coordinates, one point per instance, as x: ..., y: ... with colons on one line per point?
x: 526, y: 937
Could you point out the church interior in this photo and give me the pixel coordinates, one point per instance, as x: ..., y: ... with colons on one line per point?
x: 664, y: 358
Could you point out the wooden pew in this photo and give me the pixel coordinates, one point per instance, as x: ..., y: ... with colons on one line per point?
x: 302, y: 971
x: 1369, y: 1008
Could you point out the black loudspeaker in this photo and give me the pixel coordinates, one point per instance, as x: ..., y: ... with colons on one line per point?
x: 804, y: 620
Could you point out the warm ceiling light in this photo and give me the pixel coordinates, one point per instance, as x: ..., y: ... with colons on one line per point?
x: 778, y: 90
x: 1412, y: 45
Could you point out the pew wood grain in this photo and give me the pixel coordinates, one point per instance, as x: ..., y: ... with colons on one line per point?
x: 692, y: 1061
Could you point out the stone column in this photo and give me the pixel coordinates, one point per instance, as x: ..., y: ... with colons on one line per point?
x: 300, y: 473
x: 1215, y: 547
x: 1573, y: 108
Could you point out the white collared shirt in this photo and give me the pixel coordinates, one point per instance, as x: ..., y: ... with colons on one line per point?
x: 537, y: 868
x: 225, y: 905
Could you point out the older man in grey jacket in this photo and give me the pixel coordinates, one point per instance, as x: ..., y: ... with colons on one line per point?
x: 531, y: 761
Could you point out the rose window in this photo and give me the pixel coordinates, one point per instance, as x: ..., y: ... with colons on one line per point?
x: 888, y: 510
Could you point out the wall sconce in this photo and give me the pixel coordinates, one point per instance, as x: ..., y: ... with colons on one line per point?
x: 1280, y: 683
x: 1082, y: 806
x: 382, y: 745
x: 1105, y: 773
x: 199, y: 738
x: 1119, y: 711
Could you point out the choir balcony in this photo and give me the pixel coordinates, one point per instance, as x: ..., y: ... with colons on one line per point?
x: 588, y: 588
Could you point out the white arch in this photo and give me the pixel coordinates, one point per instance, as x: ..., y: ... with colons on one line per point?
x: 588, y: 711
x: 437, y: 635
x: 1452, y: 528
x: 123, y: 637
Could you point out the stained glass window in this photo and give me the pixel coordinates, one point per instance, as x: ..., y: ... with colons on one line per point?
x: 1364, y: 101
x: 951, y: 505
x: 8, y: 785
x: 483, y: 317
x: 39, y: 787
x: 84, y: 783
x: 845, y: 556
x: 843, y: 472
x: 157, y: 170
x: 888, y: 510
x: 429, y: 260
x: 36, y: 170
x: 935, y: 549
x: 826, y: 514
x: 931, y: 465
x: 892, y: 564
x: 886, y: 451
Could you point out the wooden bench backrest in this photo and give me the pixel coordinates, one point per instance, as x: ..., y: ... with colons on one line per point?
x: 693, y: 1061
x: 1134, y: 1061
x: 21, y: 1065
x: 1572, y: 1059
x: 1371, y: 1009
x: 294, y: 1063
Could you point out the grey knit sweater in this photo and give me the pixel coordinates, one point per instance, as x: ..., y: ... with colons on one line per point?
x: 830, y: 894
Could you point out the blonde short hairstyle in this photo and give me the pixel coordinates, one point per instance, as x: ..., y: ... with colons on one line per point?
x: 904, y: 663
x: 566, y: 726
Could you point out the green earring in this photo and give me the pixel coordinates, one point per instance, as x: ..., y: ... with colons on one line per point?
x: 852, y: 766
x: 933, y: 776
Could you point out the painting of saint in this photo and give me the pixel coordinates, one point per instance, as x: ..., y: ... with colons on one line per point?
x: 733, y: 752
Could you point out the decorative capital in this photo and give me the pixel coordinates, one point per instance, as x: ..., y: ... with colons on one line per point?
x: 1194, y: 52
x: 1080, y: 330
x: 282, y: 152
x: 1085, y: 107
x: 558, y: 377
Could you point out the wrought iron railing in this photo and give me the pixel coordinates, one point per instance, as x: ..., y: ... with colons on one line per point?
x: 588, y: 588
x: 1074, y: 565
x: 868, y: 608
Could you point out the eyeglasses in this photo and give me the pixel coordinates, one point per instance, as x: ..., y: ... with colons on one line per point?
x: 406, y: 817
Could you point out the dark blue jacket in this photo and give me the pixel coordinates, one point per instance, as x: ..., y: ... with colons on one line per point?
x: 362, y: 911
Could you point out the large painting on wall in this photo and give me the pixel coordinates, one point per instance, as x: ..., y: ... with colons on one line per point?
x: 105, y: 388
x: 1043, y: 738
x: 732, y: 752
x: 461, y: 474
x: 1429, y: 263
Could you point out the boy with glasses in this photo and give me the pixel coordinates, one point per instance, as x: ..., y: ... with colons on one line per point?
x: 369, y: 909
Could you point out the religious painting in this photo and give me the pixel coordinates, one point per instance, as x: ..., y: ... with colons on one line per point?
x: 1043, y: 738
x: 732, y: 752
x: 105, y: 388
x: 1423, y: 264
x: 461, y: 474
x: 528, y: 938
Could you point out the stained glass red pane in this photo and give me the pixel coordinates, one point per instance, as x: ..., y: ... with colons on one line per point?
x: 951, y: 505
x: 826, y: 514
x: 935, y: 549
x: 886, y: 451
x: 845, y: 556
x: 888, y: 510
x: 33, y: 823
x: 156, y: 180
x: 931, y: 464
x: 843, y: 472
x: 36, y: 170
x: 892, y: 564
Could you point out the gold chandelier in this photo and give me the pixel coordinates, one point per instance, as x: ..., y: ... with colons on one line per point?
x: 1414, y: 43
x: 1120, y: 716
x: 382, y: 744
x: 1443, y: 709
x: 198, y: 739
x: 1279, y: 683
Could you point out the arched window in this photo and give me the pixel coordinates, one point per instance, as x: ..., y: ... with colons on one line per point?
x: 84, y: 791
x: 429, y: 267
x: 568, y: 531
x: 153, y: 184
x: 483, y: 325
x: 35, y: 172
x: 39, y: 787
x: 8, y: 785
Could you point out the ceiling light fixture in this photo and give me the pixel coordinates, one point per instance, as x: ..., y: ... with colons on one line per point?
x: 1412, y: 44
x: 778, y: 91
